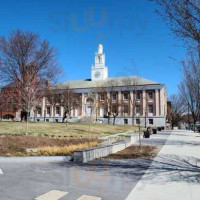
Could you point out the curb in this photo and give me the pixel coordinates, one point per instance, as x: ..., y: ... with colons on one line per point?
x: 36, y: 159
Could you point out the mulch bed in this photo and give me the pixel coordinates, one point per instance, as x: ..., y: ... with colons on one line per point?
x: 135, y: 152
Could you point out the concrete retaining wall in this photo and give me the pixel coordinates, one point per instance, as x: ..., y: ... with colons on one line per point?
x: 86, y: 155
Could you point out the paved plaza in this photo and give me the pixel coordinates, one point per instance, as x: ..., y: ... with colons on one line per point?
x: 173, y: 174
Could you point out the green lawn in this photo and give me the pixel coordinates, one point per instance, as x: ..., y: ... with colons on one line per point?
x: 71, y: 130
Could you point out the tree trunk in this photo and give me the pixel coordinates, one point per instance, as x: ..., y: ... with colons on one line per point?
x: 172, y: 126
x: 64, y: 116
x: 53, y: 113
x: 194, y: 125
x: 140, y: 143
x: 108, y: 119
x: 133, y: 117
x: 114, y: 118
x: 35, y: 115
x: 44, y: 115
x: 1, y: 114
x: 133, y: 123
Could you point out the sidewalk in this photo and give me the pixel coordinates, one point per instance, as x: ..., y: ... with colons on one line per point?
x: 175, y: 172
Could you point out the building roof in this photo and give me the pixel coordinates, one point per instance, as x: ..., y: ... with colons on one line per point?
x: 117, y: 81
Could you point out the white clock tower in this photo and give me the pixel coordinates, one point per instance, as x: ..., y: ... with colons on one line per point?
x: 99, y: 70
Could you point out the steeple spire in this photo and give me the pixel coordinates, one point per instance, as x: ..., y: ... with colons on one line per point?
x: 100, y: 49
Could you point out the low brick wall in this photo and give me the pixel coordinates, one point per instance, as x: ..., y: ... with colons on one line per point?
x: 83, y: 156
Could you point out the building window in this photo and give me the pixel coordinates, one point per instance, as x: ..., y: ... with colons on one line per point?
x: 125, y: 121
x: 57, y: 110
x: 102, y: 112
x: 48, y: 110
x: 137, y: 108
x: 137, y: 121
x: 150, y: 95
x: 101, y: 97
x: 150, y: 109
x: 151, y: 121
x: 114, y: 109
x: 138, y: 96
x: 125, y: 96
x: 39, y: 111
x: 125, y: 109
x: 114, y: 96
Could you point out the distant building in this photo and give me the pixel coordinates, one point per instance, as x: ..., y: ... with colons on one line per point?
x: 126, y: 100
x: 8, y: 103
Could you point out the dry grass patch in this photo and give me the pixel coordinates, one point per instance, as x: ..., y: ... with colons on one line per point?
x: 135, y: 152
x: 18, y: 145
x: 66, y: 150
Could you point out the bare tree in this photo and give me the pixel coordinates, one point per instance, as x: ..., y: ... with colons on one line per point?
x: 132, y: 84
x: 69, y: 101
x: 110, y: 101
x: 53, y: 98
x: 27, y: 62
x: 177, y: 110
x: 183, y: 17
x: 190, y: 86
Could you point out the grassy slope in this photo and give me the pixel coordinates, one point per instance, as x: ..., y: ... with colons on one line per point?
x: 61, y: 129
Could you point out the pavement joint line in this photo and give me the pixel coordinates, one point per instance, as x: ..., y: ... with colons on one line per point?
x: 85, y: 197
x: 52, y: 195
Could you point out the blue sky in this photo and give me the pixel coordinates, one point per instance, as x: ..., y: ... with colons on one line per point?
x: 135, y: 39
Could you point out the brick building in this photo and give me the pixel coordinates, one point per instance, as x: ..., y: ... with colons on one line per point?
x: 144, y: 99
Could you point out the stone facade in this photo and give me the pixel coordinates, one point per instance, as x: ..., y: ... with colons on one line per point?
x: 152, y: 111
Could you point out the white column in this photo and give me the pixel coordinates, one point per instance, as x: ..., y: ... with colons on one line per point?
x: 109, y: 100
x: 52, y: 111
x: 131, y: 103
x: 144, y: 102
x: 96, y: 105
x: 61, y: 111
x: 83, y: 104
x: 120, y: 101
x: 42, y: 107
x: 157, y: 102
x: 162, y: 102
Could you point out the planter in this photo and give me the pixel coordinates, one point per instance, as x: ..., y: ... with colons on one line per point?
x: 159, y: 129
x: 162, y: 128
x: 154, y: 130
x: 146, y: 134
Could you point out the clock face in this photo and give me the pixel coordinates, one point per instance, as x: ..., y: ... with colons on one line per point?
x: 97, y: 74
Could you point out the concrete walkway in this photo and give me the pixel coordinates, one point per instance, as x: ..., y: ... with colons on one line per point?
x: 175, y: 172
